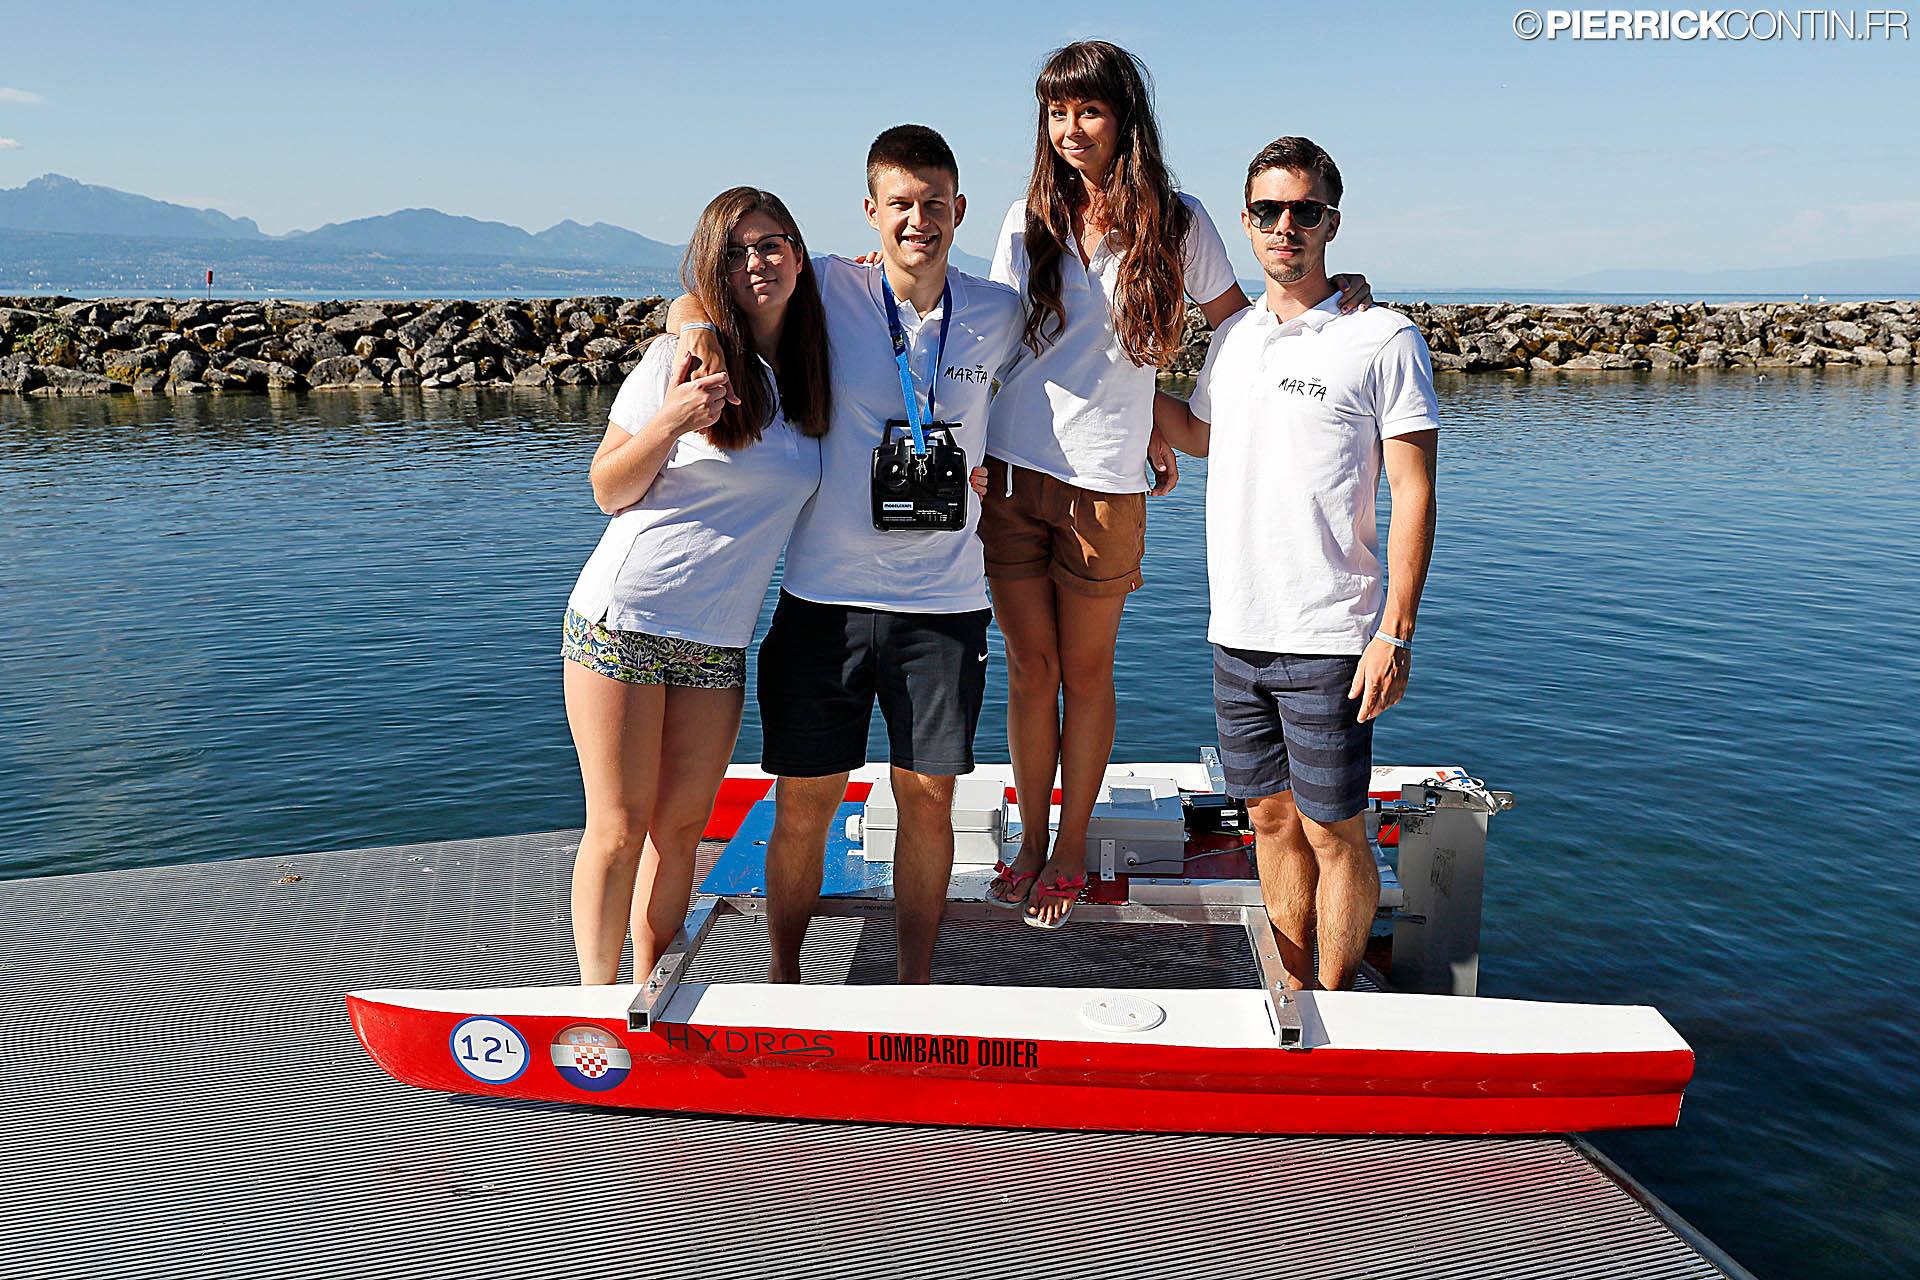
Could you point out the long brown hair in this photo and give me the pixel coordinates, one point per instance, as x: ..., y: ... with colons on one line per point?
x: 1147, y: 221
x: 806, y: 392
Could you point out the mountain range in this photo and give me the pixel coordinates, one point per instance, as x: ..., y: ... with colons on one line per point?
x: 66, y: 235
x: 59, y: 204
x: 54, y: 203
x: 60, y: 235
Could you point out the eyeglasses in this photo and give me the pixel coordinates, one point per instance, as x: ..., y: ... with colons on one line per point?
x: 1306, y: 213
x: 772, y: 250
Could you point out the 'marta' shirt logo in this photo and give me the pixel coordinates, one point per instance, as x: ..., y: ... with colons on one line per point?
x: 976, y: 374
x: 1311, y: 388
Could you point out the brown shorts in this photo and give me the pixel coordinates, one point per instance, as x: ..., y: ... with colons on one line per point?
x: 1085, y: 541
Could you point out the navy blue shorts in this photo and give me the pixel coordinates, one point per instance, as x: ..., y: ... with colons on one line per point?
x: 823, y: 666
x: 1286, y: 723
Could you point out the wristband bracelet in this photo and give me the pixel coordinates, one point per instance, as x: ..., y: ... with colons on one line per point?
x: 709, y: 326
x: 1395, y: 641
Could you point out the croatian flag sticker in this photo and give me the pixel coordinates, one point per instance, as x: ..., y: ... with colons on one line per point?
x: 591, y: 1058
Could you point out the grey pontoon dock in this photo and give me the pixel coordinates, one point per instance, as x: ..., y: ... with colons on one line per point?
x: 181, y: 1095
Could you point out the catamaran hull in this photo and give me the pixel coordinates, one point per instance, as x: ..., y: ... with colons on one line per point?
x: 998, y: 1082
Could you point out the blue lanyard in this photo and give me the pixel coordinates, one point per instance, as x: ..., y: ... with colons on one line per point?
x: 900, y: 359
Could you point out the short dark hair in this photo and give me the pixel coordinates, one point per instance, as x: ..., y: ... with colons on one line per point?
x: 911, y: 147
x: 1301, y: 155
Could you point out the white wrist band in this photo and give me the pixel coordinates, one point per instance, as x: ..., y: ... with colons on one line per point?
x: 709, y: 326
x: 1395, y: 641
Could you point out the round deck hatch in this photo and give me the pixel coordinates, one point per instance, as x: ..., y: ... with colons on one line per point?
x: 1122, y: 1013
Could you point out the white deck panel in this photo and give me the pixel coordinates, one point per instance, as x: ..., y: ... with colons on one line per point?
x: 1190, y: 775
x: 1201, y: 1019
x: 1454, y: 1024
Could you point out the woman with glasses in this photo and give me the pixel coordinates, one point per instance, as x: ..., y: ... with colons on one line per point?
x: 704, y: 476
x: 1104, y: 252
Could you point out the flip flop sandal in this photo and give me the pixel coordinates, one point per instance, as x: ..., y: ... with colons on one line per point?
x: 1068, y: 889
x: 1009, y: 889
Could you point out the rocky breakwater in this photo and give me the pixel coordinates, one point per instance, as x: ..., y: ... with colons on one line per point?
x: 58, y: 346
x: 1502, y: 336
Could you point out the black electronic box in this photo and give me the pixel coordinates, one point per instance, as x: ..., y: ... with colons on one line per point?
x: 919, y: 490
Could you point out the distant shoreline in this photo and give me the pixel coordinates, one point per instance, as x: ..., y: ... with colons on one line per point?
x: 54, y: 345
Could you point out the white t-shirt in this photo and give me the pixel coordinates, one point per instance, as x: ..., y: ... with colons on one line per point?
x: 836, y: 556
x: 692, y: 559
x: 1081, y: 411
x: 1298, y: 411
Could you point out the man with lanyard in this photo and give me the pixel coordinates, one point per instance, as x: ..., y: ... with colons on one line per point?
x: 865, y: 613
x: 1300, y: 407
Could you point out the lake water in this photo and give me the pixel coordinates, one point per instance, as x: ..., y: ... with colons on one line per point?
x: 1679, y: 616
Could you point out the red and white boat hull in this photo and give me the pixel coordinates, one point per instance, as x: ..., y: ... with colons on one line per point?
x: 1047, y: 1057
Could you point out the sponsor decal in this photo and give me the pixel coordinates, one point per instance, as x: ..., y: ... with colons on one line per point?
x: 590, y: 1058
x: 953, y: 1051
x: 489, y: 1050
x: 758, y: 1044
x: 915, y: 1050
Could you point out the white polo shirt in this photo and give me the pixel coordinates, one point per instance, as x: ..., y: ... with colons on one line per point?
x: 1298, y: 410
x: 836, y: 556
x: 692, y: 559
x: 1081, y: 411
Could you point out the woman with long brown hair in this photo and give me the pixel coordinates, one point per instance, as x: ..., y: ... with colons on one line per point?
x: 704, y: 474
x: 1104, y: 252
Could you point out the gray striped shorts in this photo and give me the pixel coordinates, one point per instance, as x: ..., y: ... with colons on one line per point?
x: 1286, y: 723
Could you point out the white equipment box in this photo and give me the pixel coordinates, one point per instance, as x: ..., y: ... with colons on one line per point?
x: 1138, y: 828
x: 979, y: 822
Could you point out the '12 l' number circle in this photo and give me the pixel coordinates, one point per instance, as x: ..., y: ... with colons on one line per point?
x: 489, y: 1050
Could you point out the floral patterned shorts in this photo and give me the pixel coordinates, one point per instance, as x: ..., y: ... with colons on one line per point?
x: 639, y: 658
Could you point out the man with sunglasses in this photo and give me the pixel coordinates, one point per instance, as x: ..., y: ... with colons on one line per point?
x: 1301, y: 407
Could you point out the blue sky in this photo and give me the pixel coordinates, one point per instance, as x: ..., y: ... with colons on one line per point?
x: 1472, y: 158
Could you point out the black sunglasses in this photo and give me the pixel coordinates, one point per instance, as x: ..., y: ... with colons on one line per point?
x: 1306, y: 213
